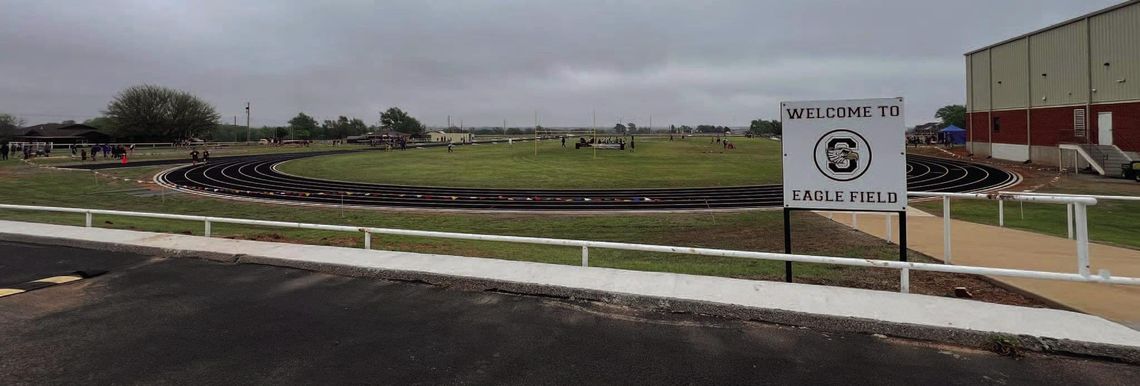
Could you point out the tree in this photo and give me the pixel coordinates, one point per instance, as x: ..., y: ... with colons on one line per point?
x: 101, y: 123
x: 8, y: 125
x: 514, y: 131
x: 952, y: 115
x: 398, y: 120
x: 763, y: 127
x: 9, y: 121
x: 303, y: 126
x: 619, y: 128
x: 149, y: 112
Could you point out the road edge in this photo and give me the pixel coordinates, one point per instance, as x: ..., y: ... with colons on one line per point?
x: 956, y: 336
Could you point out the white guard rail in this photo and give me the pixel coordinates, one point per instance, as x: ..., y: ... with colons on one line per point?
x: 1069, y: 209
x: 903, y: 267
x: 1077, y: 206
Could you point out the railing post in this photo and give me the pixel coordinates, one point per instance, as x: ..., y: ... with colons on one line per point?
x: 1001, y: 212
x: 585, y: 256
x: 855, y: 220
x: 367, y: 240
x: 1082, y: 239
x: 1069, y: 222
x: 88, y: 219
x: 946, y: 229
x: 207, y: 232
x: 904, y: 280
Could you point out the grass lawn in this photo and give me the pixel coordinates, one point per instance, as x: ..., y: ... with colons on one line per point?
x: 1110, y: 222
x: 657, y: 162
x: 63, y: 157
x: 757, y: 230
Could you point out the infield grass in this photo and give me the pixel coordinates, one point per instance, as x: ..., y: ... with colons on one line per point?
x: 656, y: 163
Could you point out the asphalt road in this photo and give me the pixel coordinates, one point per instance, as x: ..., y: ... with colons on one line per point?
x: 178, y: 320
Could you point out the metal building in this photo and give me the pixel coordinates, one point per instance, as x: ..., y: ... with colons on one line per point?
x: 1067, y: 94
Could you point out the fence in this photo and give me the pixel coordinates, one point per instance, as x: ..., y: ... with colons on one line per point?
x: 585, y: 245
x: 1069, y: 209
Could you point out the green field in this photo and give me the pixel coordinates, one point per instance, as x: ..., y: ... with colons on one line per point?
x: 656, y: 163
x: 1110, y: 222
x: 62, y: 157
x: 756, y: 230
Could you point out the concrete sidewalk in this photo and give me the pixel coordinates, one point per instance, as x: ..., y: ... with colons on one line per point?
x: 831, y: 308
x: 992, y: 246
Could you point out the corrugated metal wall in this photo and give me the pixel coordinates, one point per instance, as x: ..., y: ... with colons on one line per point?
x: 980, y: 68
x: 1116, y: 41
x: 969, y: 84
x: 1059, y: 65
x: 1010, y: 67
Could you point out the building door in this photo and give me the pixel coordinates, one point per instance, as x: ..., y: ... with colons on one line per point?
x: 1104, y: 128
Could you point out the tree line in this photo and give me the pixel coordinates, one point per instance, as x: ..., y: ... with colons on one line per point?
x: 155, y: 113
x: 147, y: 113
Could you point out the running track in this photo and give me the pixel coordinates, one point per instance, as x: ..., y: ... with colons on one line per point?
x: 256, y: 178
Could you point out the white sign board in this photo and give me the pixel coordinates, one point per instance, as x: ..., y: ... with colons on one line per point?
x: 844, y: 154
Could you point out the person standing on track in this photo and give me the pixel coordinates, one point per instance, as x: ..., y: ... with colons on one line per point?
x: 194, y: 156
x: 206, y: 156
x: 4, y: 151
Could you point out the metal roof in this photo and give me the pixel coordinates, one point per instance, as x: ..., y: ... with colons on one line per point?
x: 1063, y: 23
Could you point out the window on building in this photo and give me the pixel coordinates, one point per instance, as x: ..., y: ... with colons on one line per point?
x: 1079, y: 123
x: 997, y: 124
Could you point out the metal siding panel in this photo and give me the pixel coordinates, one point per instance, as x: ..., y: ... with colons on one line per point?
x: 981, y: 80
x: 1010, y: 85
x: 969, y: 84
x: 1062, y: 55
x: 1115, y: 38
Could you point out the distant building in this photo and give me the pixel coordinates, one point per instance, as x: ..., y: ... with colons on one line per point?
x: 1058, y: 92
x: 61, y: 133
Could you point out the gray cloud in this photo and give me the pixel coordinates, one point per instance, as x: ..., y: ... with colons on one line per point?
x: 722, y: 62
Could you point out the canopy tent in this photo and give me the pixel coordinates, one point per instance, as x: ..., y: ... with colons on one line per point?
x: 956, y: 135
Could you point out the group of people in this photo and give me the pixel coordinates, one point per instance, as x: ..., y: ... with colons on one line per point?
x: 390, y: 143
x: 108, y: 151
x: 205, y: 156
x: 28, y: 150
x: 918, y: 140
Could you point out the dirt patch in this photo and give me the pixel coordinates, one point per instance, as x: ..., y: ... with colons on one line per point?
x: 342, y: 241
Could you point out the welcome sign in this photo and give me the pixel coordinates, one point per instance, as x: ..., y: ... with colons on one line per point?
x: 844, y: 154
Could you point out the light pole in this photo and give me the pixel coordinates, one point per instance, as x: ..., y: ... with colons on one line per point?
x: 248, y: 131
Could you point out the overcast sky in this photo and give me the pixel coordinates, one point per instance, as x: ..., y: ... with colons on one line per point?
x: 684, y: 62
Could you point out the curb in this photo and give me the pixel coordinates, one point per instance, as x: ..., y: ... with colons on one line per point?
x: 963, y: 337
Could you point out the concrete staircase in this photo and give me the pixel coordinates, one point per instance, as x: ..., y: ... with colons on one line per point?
x: 1107, y: 157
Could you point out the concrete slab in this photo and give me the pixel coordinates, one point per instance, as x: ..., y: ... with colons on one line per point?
x: 835, y: 308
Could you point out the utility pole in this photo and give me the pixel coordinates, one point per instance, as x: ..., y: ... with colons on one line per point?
x: 248, y: 130
x: 536, y: 133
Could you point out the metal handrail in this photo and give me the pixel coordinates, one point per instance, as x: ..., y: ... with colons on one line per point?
x: 1093, y: 196
x: 903, y: 267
